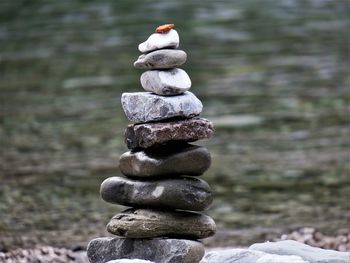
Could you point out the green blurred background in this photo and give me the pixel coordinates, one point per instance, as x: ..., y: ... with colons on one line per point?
x: 273, y: 77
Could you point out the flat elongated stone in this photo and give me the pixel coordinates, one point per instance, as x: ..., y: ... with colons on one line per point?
x: 169, y: 39
x: 142, y: 107
x: 186, y: 193
x: 150, y: 134
x: 101, y: 250
x: 146, y: 223
x: 161, y: 59
x: 171, y: 159
x: 166, y: 82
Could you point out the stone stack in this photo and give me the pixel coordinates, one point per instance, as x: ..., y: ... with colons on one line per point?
x: 164, y: 222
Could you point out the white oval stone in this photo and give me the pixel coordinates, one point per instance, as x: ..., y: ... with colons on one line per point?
x: 169, y: 39
x: 166, y: 82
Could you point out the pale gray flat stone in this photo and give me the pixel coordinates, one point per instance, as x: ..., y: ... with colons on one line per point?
x: 141, y: 107
x: 306, y: 252
x: 185, y: 193
x: 247, y: 256
x: 150, y: 223
x: 169, y: 39
x: 166, y: 82
x: 161, y: 59
x: 101, y: 250
x: 170, y: 159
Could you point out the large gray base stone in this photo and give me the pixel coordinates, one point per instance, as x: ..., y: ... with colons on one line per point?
x: 101, y: 250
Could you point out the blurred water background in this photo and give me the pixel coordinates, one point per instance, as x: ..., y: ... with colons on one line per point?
x: 273, y: 77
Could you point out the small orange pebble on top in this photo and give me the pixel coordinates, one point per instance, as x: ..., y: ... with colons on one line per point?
x: 164, y: 28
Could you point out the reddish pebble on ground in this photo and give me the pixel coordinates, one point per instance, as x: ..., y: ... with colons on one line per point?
x: 164, y: 28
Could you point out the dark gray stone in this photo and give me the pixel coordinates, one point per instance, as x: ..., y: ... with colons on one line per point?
x: 186, y: 193
x: 306, y: 252
x: 147, y: 223
x: 150, y: 134
x: 171, y: 159
x: 155, y: 41
x: 101, y: 250
x: 166, y: 82
x: 141, y: 107
x: 161, y: 59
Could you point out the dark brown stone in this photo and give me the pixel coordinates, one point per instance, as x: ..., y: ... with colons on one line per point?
x: 150, y: 134
x: 170, y: 159
x: 146, y: 223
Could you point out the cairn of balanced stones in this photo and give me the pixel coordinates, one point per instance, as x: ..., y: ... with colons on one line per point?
x: 164, y: 221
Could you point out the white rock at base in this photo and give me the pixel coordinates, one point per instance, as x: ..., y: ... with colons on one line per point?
x: 169, y: 39
x: 166, y: 82
x: 248, y: 256
x: 130, y: 261
x: 306, y: 252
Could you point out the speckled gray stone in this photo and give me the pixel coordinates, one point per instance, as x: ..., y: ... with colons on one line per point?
x: 155, y: 41
x: 151, y: 134
x: 101, y: 250
x: 166, y: 82
x: 141, y: 107
x: 186, y: 193
x: 161, y: 59
x: 170, y: 159
x: 147, y: 223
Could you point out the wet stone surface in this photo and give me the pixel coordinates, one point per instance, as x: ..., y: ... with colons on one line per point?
x: 186, y: 193
x: 169, y: 159
x: 150, y: 134
x: 141, y: 107
x: 146, y: 223
x: 101, y: 250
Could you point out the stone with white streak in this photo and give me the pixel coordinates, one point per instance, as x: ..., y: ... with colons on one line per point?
x: 169, y: 39
x: 171, y: 159
x: 161, y: 59
x: 166, y: 82
x: 148, y: 223
x: 141, y: 107
x: 186, y: 193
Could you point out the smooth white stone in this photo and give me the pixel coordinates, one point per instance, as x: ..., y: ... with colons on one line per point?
x: 166, y: 82
x: 169, y: 39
